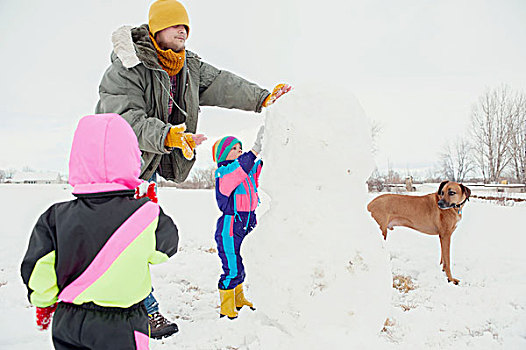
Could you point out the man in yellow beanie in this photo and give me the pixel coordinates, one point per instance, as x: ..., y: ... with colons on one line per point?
x: 157, y: 85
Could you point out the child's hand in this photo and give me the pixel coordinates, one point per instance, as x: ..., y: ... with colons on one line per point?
x: 44, y: 315
x: 146, y: 189
x: 278, y: 91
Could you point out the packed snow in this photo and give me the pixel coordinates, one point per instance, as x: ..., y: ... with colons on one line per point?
x: 486, y: 311
x: 315, y: 265
x: 318, y: 271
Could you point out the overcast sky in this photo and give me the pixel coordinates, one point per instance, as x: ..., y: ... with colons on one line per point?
x: 416, y: 66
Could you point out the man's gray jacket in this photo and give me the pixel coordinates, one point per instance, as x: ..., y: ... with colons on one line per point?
x: 136, y: 87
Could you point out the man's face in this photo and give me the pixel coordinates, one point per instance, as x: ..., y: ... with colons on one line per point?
x: 172, y: 38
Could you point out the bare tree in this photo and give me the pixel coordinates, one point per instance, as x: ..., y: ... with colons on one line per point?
x: 456, y: 160
x: 28, y: 169
x: 434, y: 174
x: 518, y: 139
x: 492, y: 131
x: 393, y: 177
x: 9, y: 173
x: 199, y: 178
x: 375, y: 181
x: 205, y: 178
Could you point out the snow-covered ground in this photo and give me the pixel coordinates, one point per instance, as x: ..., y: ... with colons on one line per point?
x: 486, y: 311
x: 317, y: 269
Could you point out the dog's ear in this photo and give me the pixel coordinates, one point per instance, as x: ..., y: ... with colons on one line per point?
x: 442, y: 186
x: 466, y: 190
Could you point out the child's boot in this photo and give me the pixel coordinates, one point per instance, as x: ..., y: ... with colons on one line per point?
x: 240, y: 298
x: 227, y: 303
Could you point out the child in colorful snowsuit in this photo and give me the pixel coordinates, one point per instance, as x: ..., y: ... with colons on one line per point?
x: 92, y: 254
x: 237, y: 197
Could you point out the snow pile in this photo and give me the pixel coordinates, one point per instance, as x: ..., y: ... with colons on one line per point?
x: 486, y: 311
x: 315, y: 264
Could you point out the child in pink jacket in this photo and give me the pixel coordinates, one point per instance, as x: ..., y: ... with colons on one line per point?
x: 91, y: 255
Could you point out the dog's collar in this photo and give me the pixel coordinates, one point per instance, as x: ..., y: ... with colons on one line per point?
x: 459, y: 206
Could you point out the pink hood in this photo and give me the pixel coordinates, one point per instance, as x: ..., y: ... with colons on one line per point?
x: 105, y: 155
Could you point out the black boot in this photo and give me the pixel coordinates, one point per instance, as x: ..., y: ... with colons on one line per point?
x: 160, y: 327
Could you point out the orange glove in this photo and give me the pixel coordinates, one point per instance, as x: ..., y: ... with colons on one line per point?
x: 177, y: 138
x: 278, y: 91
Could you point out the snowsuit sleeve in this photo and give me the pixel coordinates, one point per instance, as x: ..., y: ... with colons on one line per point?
x: 38, y: 266
x: 228, y: 177
x: 256, y: 170
x: 221, y: 88
x: 122, y: 91
x: 166, y: 239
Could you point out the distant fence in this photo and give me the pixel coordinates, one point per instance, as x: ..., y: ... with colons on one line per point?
x: 501, y: 188
x: 475, y: 187
x: 498, y: 198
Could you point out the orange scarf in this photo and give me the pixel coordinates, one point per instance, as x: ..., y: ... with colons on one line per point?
x: 172, y: 62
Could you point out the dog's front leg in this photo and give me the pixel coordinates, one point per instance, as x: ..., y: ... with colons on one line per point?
x: 445, y: 242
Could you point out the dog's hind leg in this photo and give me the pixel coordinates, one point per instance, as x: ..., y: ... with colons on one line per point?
x: 384, y: 232
x: 445, y: 242
x: 384, y: 226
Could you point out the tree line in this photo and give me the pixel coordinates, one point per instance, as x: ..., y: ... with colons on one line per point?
x: 495, y: 144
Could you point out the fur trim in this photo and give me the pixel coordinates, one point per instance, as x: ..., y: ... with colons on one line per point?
x: 132, y: 45
x: 124, y: 48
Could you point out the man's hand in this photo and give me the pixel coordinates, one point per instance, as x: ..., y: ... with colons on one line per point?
x: 278, y: 91
x: 177, y: 138
x: 178, y: 128
x: 44, y: 315
x: 199, y: 138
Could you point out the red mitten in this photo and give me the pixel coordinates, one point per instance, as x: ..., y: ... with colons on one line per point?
x: 141, y: 192
x: 151, y: 193
x: 44, y: 315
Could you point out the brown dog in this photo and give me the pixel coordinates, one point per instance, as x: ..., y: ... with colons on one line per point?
x: 434, y: 214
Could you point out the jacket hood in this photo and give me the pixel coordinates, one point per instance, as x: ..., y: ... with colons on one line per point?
x: 132, y: 45
x: 105, y: 155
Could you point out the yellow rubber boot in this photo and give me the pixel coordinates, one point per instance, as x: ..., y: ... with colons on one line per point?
x: 228, y: 304
x: 240, y: 298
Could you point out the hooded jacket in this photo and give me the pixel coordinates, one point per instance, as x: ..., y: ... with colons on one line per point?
x: 98, y: 247
x: 136, y: 87
x: 236, y: 187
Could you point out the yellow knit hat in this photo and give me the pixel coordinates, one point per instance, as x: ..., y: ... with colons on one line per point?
x: 167, y: 13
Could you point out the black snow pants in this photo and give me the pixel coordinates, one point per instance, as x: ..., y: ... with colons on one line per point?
x: 92, y: 327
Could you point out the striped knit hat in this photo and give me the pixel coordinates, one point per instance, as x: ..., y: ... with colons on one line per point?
x: 222, y: 147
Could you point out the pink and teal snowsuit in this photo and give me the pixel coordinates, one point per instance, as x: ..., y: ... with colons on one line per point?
x: 237, y: 198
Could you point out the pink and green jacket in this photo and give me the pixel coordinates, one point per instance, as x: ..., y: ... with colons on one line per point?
x: 98, y: 247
